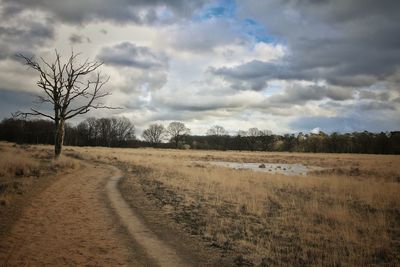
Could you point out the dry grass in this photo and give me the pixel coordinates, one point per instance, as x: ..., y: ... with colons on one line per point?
x: 346, y: 215
x: 21, y: 166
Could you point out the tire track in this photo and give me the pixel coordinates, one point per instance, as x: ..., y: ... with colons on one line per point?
x: 154, y: 247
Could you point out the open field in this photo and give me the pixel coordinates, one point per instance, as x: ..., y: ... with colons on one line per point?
x: 347, y: 214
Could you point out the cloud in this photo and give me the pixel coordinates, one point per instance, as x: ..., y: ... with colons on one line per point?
x: 121, y: 11
x: 377, y: 105
x: 349, y: 43
x: 136, y: 72
x: 78, y: 39
x: 255, y: 74
x: 279, y: 65
x: 204, y: 36
x: 12, y: 101
x: 367, y: 94
x: 21, y: 37
x: 129, y: 55
x: 300, y: 95
x: 203, y: 100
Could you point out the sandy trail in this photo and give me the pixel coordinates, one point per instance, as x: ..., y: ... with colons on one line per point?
x: 70, y: 224
x: 158, y: 250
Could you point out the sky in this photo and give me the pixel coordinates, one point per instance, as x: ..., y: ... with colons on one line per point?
x: 281, y: 65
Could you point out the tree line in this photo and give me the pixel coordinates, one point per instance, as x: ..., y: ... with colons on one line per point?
x: 120, y: 132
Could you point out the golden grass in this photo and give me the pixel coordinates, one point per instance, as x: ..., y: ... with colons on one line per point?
x: 17, y: 164
x: 21, y: 166
x: 346, y: 215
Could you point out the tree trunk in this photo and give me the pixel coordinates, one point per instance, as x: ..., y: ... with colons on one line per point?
x: 176, y: 141
x: 59, y: 138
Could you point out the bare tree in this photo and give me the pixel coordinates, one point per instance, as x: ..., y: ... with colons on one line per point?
x: 253, y: 132
x: 253, y: 135
x: 267, y: 139
x: 154, y: 134
x: 217, y: 130
x: 67, y: 88
x: 123, y: 129
x: 176, y: 131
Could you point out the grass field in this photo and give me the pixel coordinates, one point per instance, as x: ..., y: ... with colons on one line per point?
x: 347, y: 214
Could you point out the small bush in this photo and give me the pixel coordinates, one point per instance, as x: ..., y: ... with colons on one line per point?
x: 63, y: 163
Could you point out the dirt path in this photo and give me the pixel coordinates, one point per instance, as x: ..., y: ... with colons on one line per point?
x: 70, y: 224
x: 158, y: 250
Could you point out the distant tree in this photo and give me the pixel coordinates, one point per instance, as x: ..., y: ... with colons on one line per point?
x: 122, y: 130
x: 315, y: 142
x: 240, y: 141
x: 154, y: 134
x: 241, y: 133
x: 83, y: 131
x: 93, y: 131
x: 217, y: 131
x: 217, y: 137
x: 253, y: 132
x: 266, y: 139
x: 68, y: 92
x: 289, y: 142
x: 394, y: 142
x: 114, y: 131
x: 104, y: 127
x: 253, y: 135
x: 177, y: 130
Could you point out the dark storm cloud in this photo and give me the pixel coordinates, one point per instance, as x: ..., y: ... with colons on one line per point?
x: 211, y: 105
x: 302, y: 94
x: 129, y: 55
x: 348, y: 43
x: 23, y: 38
x: 138, y: 11
x: 78, y: 39
x: 254, y: 74
x: 377, y: 105
x: 366, y: 94
x: 34, y: 32
x: 13, y: 101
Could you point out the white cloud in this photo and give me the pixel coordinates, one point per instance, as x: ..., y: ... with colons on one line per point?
x: 211, y: 71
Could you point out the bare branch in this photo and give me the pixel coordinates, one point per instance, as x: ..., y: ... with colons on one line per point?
x: 33, y: 113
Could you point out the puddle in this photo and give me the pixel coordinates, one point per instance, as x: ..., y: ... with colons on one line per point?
x: 279, y: 168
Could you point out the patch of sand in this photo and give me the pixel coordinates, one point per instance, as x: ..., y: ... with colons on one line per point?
x: 69, y: 224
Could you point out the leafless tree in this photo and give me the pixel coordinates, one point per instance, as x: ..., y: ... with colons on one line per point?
x: 217, y: 130
x: 71, y: 88
x: 154, y: 134
x: 253, y: 132
x: 106, y: 131
x: 253, y: 136
x: 267, y: 139
x: 123, y: 129
x: 176, y: 131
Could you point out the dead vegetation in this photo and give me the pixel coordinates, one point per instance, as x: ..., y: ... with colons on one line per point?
x: 348, y: 214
